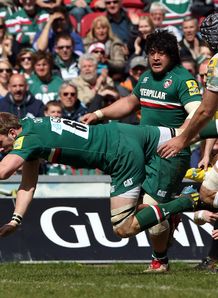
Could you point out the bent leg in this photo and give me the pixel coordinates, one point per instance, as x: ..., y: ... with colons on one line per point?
x: 127, y: 223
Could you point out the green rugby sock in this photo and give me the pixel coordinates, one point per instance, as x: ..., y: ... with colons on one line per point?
x: 210, y: 130
x: 152, y: 215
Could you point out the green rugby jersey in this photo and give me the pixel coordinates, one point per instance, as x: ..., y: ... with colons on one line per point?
x: 45, y: 91
x: 162, y: 100
x: 64, y: 141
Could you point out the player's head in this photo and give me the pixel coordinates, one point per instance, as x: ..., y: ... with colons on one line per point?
x: 209, y: 31
x: 9, y: 124
x: 8, y: 121
x: 163, y: 42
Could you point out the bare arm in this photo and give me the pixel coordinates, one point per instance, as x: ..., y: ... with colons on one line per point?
x: 10, y: 164
x: 204, y: 162
x: 119, y: 109
x: 203, y: 114
x: 42, y: 42
x: 24, y: 195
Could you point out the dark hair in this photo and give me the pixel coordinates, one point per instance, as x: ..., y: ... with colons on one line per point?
x: 43, y: 55
x: 57, y: 23
x: 64, y: 35
x: 8, y: 121
x: 163, y: 41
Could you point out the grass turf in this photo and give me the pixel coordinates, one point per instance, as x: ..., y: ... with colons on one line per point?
x: 115, y: 280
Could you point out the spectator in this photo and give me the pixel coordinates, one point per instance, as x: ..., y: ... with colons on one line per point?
x: 190, y: 43
x: 43, y: 84
x: 202, y: 73
x: 205, y: 51
x: 114, y: 47
x: 28, y: 20
x: 157, y: 14
x: 48, y: 4
x: 66, y: 61
x: 190, y: 64
x: 79, y: 8
x: 73, y: 109
x: 5, y: 74
x: 24, y: 62
x: 98, y: 50
x: 145, y: 27
x: 137, y: 66
x: 175, y: 11
x: 58, y: 22
x: 7, y: 8
x: 19, y: 101
x: 9, y: 48
x: 53, y: 108
x: 120, y: 22
x: 88, y: 83
x: 201, y: 8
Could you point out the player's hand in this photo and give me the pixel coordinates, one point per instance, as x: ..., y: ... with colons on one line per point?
x: 209, y: 216
x: 89, y: 118
x: 8, y: 228
x: 215, y: 234
x: 172, y: 147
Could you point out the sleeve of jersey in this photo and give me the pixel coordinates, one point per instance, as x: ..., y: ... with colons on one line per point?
x: 189, y: 91
x: 22, y: 147
x: 212, y: 74
x: 136, y: 90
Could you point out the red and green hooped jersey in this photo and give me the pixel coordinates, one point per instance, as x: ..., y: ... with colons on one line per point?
x: 162, y: 100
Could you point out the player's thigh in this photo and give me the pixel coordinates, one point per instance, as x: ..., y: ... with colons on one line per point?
x: 163, y: 176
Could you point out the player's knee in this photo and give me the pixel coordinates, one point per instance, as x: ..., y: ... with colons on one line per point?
x: 159, y: 228
x: 147, y: 199
x: 123, y: 232
x: 208, y: 191
x: 122, y: 221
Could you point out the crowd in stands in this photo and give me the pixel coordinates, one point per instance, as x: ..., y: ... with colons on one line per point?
x: 70, y: 57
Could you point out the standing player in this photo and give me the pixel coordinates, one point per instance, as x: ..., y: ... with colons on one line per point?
x: 168, y: 95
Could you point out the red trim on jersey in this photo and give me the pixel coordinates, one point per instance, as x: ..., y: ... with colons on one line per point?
x: 159, y: 212
x: 57, y: 153
x: 160, y: 106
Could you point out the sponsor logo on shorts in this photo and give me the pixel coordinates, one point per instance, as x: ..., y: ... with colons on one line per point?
x: 112, y: 188
x: 128, y: 182
x: 162, y: 193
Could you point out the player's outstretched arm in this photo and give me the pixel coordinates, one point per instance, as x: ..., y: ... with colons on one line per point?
x: 24, y: 196
x: 117, y: 110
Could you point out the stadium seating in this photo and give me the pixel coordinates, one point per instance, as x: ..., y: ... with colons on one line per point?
x: 86, y: 22
x: 74, y: 22
x: 133, y: 4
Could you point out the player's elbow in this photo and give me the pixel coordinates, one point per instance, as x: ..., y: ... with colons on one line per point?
x: 208, y: 113
x: 4, y: 175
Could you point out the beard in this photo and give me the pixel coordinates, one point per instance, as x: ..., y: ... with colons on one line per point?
x: 90, y: 77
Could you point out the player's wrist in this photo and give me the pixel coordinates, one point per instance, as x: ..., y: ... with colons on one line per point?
x: 99, y: 114
x: 16, y: 219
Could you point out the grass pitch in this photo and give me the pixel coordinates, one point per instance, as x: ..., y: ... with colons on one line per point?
x: 115, y: 280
